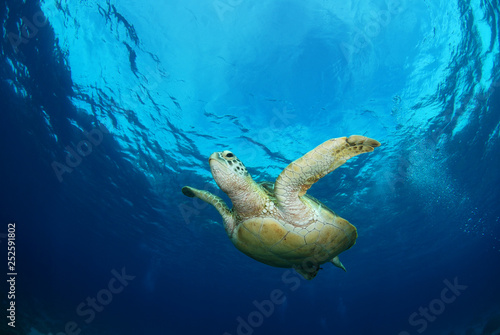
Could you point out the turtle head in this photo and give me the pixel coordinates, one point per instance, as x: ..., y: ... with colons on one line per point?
x: 229, y: 172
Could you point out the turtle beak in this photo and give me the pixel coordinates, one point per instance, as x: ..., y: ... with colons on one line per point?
x: 219, y: 170
x: 215, y: 160
x: 216, y: 163
x: 214, y: 156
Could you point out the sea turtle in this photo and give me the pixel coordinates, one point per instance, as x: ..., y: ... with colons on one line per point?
x: 278, y: 224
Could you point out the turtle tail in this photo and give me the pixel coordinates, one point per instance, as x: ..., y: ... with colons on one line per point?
x: 336, y: 261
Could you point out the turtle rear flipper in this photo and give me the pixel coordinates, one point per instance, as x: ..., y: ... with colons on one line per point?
x: 309, y: 273
x: 302, y: 173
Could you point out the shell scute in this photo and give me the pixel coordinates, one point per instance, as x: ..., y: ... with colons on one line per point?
x: 326, y: 234
x: 271, y: 232
x: 303, y: 232
x: 293, y: 240
x: 312, y: 236
x: 248, y: 240
x: 306, y: 251
x: 253, y: 225
x: 318, y: 225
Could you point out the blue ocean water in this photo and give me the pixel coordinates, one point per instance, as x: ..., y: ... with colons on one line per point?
x: 110, y: 107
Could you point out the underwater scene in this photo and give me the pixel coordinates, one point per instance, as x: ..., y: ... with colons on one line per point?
x: 237, y: 167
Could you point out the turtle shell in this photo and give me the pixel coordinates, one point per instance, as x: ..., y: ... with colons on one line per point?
x: 277, y: 243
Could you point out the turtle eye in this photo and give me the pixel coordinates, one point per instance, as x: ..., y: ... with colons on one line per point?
x: 229, y: 155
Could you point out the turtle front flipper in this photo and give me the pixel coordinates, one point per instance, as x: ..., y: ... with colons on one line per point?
x: 215, y: 201
x: 302, y: 173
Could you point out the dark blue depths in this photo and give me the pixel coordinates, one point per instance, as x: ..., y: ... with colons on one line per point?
x: 107, y: 244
